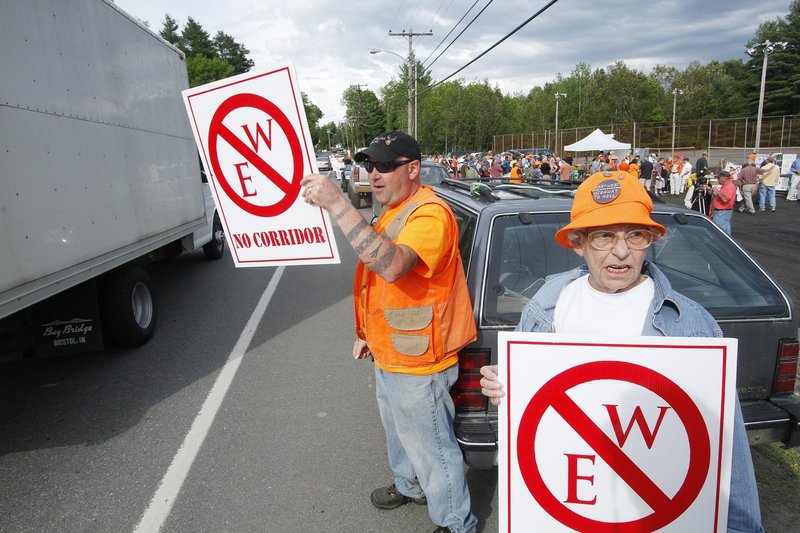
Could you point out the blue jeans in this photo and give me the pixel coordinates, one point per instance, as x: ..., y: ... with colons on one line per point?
x: 417, y: 414
x: 723, y: 219
x: 765, y: 192
x: 744, y: 512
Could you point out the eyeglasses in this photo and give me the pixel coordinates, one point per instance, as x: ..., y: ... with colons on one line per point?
x: 636, y: 239
x: 385, y: 168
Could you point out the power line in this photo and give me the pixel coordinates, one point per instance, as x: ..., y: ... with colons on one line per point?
x: 448, y: 33
x: 515, y: 30
x: 462, y: 31
x: 437, y: 11
x: 399, y: 5
x: 413, y: 11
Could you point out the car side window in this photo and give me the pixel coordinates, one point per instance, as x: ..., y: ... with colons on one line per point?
x: 702, y: 264
x: 466, y: 232
x: 522, y: 253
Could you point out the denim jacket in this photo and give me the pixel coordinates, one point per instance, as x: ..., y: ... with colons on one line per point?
x: 672, y: 315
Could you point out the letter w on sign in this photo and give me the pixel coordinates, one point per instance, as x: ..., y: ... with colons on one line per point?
x: 259, y: 134
x: 637, y: 418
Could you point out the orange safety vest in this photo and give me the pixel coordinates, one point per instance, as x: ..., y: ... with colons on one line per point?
x: 415, y: 325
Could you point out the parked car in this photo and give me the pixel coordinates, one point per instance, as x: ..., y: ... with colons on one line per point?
x: 507, y: 245
x: 324, y: 162
x: 356, y: 184
x: 431, y: 173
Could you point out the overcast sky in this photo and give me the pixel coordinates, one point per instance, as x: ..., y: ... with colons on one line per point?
x: 329, y: 41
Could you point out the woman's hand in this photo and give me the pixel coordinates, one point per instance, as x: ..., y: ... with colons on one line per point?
x: 490, y: 384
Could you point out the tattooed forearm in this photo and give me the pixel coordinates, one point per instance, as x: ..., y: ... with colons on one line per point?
x: 383, y: 262
x: 347, y: 208
x: 374, y: 253
x: 365, y: 243
x: 358, y: 228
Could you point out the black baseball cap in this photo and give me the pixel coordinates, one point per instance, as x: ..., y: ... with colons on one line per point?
x: 388, y: 146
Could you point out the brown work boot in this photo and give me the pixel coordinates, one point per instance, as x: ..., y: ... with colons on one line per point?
x: 391, y: 498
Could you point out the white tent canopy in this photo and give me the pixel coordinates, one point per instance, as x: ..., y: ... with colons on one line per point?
x: 597, y: 141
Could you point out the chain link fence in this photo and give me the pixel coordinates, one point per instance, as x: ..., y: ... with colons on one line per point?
x: 736, y: 135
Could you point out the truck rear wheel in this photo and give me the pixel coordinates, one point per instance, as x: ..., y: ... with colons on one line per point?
x: 127, y: 307
x: 215, y: 248
x: 355, y: 198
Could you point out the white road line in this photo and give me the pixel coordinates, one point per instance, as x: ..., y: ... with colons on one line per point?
x: 161, y: 504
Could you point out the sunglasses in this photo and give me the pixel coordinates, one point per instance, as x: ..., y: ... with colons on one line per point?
x: 385, y: 168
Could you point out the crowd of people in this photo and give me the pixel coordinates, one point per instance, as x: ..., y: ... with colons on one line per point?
x: 748, y: 187
x: 510, y: 168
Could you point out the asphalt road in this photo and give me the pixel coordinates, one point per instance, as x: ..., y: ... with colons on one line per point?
x: 296, y: 443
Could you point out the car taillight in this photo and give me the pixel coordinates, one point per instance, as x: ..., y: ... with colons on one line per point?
x: 788, y: 352
x: 466, y: 392
x: 356, y: 172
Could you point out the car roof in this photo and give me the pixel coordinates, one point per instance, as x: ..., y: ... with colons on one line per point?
x: 478, y: 197
x: 489, y: 198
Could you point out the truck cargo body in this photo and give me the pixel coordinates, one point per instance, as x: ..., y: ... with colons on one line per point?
x: 98, y: 166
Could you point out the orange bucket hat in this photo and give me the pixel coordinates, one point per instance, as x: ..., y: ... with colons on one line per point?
x: 607, y: 198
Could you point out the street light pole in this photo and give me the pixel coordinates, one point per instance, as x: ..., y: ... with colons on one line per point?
x: 675, y: 93
x: 555, y: 144
x: 768, y: 47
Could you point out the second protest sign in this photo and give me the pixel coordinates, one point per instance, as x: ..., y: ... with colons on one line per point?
x: 628, y: 435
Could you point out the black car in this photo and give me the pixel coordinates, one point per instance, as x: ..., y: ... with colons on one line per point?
x: 507, y: 245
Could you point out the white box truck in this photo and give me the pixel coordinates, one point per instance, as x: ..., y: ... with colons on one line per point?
x: 98, y: 174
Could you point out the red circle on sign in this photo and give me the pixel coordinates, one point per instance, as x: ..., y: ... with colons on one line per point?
x: 555, y: 391
x: 291, y: 188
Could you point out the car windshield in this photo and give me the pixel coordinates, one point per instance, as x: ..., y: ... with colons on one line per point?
x: 698, y: 260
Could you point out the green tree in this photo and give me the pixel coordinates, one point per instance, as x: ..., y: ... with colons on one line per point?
x: 782, y: 88
x: 195, y: 40
x: 364, y: 114
x: 207, y: 60
x: 232, y: 52
x: 169, y: 31
x: 741, y: 80
x: 202, y: 69
x: 313, y: 115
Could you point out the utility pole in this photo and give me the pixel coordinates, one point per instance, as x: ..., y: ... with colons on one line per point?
x: 410, y: 66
